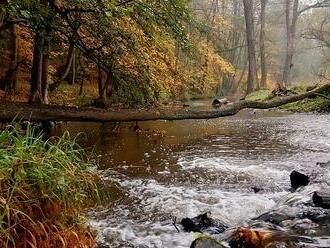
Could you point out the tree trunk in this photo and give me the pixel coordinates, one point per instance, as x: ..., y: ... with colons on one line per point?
x: 73, y: 67
x: 9, y: 82
x: 250, y: 36
x: 45, y: 71
x: 100, y: 82
x: 263, y: 63
x: 36, y: 71
x: 105, y: 88
x: 291, y: 24
x: 2, y: 18
x: 68, y: 65
x: 23, y: 111
x: 110, y: 84
x: 81, y: 64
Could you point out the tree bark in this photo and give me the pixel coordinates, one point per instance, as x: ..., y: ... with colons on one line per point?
x: 263, y: 62
x: 82, y: 66
x: 100, y: 82
x: 250, y: 36
x: 2, y: 18
x: 45, y: 71
x: 291, y: 26
x: 9, y: 81
x: 24, y: 111
x: 106, y: 87
x: 73, y: 67
x: 36, y: 71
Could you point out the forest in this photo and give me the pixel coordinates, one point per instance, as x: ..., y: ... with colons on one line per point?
x: 119, y: 116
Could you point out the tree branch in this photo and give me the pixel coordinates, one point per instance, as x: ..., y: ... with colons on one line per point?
x: 319, y: 4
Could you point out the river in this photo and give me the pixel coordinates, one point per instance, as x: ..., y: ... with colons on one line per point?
x: 170, y: 169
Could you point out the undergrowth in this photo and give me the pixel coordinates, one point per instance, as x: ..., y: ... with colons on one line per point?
x: 317, y: 104
x: 313, y: 104
x: 45, y: 186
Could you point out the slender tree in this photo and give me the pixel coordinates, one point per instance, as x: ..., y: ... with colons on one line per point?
x: 250, y: 37
x: 36, y: 71
x: 292, y: 13
x: 291, y: 17
x: 263, y: 62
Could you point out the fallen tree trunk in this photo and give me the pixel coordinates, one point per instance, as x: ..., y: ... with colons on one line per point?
x: 40, y: 112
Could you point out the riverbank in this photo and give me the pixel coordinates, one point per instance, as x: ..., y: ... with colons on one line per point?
x: 46, y: 187
x: 318, y: 103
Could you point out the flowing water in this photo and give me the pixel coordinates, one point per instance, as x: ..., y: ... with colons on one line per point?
x: 170, y: 169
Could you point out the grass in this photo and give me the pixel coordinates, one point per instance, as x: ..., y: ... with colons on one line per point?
x: 318, y: 104
x: 45, y: 186
x: 315, y: 104
x: 260, y: 95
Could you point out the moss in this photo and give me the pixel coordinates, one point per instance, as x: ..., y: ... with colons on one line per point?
x: 206, y: 241
x: 318, y: 104
x: 260, y: 95
x: 315, y: 104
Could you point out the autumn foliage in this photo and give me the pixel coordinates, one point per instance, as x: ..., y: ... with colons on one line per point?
x: 132, y: 52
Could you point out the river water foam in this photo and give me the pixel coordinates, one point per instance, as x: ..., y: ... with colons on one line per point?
x: 181, y: 169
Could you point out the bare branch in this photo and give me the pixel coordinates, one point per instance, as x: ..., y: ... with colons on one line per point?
x: 319, y: 4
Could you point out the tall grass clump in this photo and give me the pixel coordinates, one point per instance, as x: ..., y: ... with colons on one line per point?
x: 45, y: 186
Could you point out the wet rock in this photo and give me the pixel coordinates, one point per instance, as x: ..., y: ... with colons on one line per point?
x: 285, y: 216
x: 206, y: 242
x: 256, y: 189
x: 324, y: 165
x: 277, y: 216
x: 321, y: 199
x: 298, y: 179
x: 47, y: 126
x: 203, y: 223
x: 317, y: 215
x: 302, y: 224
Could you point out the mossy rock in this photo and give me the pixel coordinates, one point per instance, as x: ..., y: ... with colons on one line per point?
x: 206, y: 242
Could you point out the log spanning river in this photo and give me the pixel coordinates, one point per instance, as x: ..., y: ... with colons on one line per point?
x: 162, y: 170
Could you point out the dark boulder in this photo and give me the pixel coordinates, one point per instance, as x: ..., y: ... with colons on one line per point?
x: 321, y: 199
x: 203, y: 223
x: 298, y: 179
x: 189, y: 225
x: 47, y: 126
x: 256, y: 189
